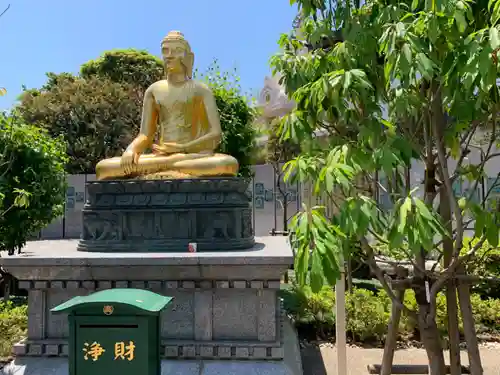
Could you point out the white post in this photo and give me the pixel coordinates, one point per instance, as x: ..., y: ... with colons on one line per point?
x: 340, y: 322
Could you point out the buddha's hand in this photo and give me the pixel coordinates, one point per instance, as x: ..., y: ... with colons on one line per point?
x: 129, y: 160
x: 167, y: 148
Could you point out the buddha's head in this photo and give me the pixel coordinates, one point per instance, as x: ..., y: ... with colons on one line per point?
x: 177, y: 54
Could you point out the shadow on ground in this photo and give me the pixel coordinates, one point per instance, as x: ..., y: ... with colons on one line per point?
x: 312, y: 361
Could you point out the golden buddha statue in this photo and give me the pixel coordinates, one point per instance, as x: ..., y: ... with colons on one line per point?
x: 185, y: 114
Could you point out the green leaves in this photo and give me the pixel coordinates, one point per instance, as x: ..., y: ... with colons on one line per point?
x: 492, y: 234
x: 494, y: 38
x: 462, y: 10
x: 404, y: 210
x: 99, y: 112
x: 22, y: 198
x: 385, y: 78
x: 425, y: 66
x: 486, y: 223
x: 32, y: 182
x: 494, y: 8
x: 415, y: 225
x: 357, y: 215
x: 407, y: 53
x: 318, y: 245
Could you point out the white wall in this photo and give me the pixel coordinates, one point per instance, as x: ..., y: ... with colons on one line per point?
x: 464, y: 188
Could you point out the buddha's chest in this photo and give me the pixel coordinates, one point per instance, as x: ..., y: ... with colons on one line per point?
x: 176, y: 99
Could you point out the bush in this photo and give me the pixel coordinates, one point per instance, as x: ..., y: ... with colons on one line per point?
x: 13, y: 325
x: 368, y: 314
x: 312, y: 311
x: 236, y: 117
x: 32, y: 181
x: 485, y: 264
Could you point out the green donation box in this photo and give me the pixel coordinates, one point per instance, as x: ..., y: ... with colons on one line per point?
x: 114, y: 331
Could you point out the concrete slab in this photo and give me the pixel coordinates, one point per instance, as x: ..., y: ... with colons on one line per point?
x: 267, y: 250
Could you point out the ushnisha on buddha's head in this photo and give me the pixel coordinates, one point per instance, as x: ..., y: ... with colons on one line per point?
x: 177, y: 55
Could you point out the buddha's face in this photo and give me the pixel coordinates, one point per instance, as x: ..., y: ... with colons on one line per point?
x: 173, y: 53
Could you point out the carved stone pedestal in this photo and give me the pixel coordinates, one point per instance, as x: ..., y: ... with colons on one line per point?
x: 167, y: 215
x: 226, y: 316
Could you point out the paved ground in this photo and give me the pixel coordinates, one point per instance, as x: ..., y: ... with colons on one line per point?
x: 323, y: 361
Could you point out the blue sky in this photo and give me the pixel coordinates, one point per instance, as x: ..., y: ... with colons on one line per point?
x: 58, y: 36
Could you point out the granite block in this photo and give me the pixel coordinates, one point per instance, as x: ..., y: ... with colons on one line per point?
x: 203, y: 315
x: 36, y: 314
x: 177, y: 320
x: 267, y: 311
x: 234, y: 314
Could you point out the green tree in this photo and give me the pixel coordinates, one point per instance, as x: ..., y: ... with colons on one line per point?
x: 32, y: 181
x: 3, y: 91
x: 236, y: 116
x: 279, y: 153
x: 99, y: 112
x: 138, y: 68
x: 409, y: 83
x: 97, y: 117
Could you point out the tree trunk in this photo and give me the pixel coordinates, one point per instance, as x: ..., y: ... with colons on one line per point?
x: 476, y: 367
x: 349, y: 274
x: 453, y: 333
x: 7, y: 281
x: 451, y: 289
x: 429, y: 335
x: 392, y: 335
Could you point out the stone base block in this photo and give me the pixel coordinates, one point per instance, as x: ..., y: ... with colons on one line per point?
x: 167, y: 215
x: 225, y: 305
x: 290, y: 365
x: 59, y: 366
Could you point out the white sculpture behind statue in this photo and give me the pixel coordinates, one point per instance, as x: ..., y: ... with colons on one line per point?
x: 273, y: 99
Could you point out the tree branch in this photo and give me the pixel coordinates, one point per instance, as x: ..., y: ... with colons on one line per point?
x: 450, y: 270
x: 380, y: 276
x: 443, y: 163
x: 467, y: 138
x: 5, y: 10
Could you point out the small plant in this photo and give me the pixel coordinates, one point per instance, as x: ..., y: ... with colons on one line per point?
x: 485, y: 265
x: 313, y: 311
x: 367, y: 316
x: 13, y: 325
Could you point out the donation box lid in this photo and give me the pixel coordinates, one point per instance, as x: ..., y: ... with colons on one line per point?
x: 119, y: 301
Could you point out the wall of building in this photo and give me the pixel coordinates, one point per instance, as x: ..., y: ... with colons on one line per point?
x: 267, y: 200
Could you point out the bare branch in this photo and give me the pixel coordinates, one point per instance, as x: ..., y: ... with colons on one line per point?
x: 487, y: 154
x: 5, y: 10
x: 467, y: 138
x: 456, y: 262
x: 490, y: 189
